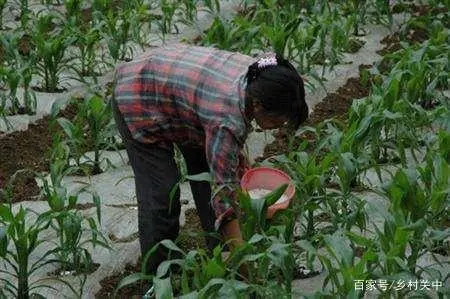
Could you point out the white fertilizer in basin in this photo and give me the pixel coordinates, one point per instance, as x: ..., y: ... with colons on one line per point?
x: 260, y: 193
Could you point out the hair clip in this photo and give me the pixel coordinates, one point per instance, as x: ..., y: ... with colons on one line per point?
x: 267, y: 61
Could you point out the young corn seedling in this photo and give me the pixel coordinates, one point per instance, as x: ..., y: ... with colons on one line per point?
x: 116, y: 31
x: 188, y: 15
x: 380, y: 10
x: 266, y: 258
x: 73, y: 8
x: 17, y: 72
x: 87, y: 42
x: 281, y: 30
x: 343, y: 267
x: 199, y: 274
x: 358, y: 10
x: 51, y: 45
x: 92, y: 129
x: 24, y: 238
x: 24, y: 14
x: 300, y: 45
x: 66, y: 220
x: 141, y: 23
x: 310, y: 174
x: 234, y: 35
x: 212, y: 7
x: 166, y: 23
x: 12, y: 79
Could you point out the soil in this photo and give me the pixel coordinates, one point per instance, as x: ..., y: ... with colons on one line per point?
x: 187, y: 240
x: 354, y: 45
x: 25, y: 45
x: 334, y: 105
x: 109, y: 284
x: 28, y: 150
x: 84, y: 206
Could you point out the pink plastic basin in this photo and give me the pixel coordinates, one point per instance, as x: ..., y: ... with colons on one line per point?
x: 269, y: 178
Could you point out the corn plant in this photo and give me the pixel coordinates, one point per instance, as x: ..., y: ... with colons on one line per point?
x: 342, y: 38
x: 73, y: 8
x: 280, y: 31
x: 381, y: 12
x: 25, y: 239
x: 12, y: 79
x: 51, y: 45
x: 142, y: 21
x: 17, y: 71
x: 357, y: 10
x: 19, y: 239
x: 86, y: 40
x: 24, y: 14
x: 408, y: 206
x: 65, y: 220
x: 116, y: 31
x: 310, y: 175
x: 342, y: 265
x: 188, y: 15
x: 166, y: 23
x: 300, y: 45
x: 236, y: 35
x: 265, y: 256
x: 92, y: 129
x: 212, y: 7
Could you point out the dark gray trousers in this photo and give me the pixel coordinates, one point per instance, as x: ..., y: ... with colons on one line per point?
x: 156, y: 173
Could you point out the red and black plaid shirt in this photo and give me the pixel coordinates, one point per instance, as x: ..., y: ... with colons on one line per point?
x: 190, y: 96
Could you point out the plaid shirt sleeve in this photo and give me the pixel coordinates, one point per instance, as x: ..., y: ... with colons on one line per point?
x: 227, y: 165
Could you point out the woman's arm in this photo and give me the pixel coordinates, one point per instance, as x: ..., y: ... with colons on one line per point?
x: 232, y: 234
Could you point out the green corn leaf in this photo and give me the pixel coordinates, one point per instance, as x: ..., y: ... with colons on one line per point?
x: 275, y: 195
x: 214, y: 270
x: 5, y: 213
x: 67, y: 126
x: 3, y: 242
x: 340, y: 248
x: 255, y: 239
x: 96, y: 105
x: 56, y: 203
x: 96, y: 199
x: 163, y: 288
x: 164, y: 267
x: 169, y: 244
x: 72, y: 201
x: 232, y: 289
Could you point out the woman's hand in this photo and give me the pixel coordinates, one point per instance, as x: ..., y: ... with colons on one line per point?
x: 232, y: 234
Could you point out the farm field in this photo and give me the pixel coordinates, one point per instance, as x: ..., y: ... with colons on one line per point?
x: 370, y: 216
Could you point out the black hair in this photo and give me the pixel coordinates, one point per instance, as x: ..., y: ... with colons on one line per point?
x: 279, y: 89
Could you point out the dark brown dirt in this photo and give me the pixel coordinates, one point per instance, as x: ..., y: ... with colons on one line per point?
x: 334, y: 105
x: 109, y: 285
x: 187, y: 240
x: 25, y: 45
x: 28, y: 150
